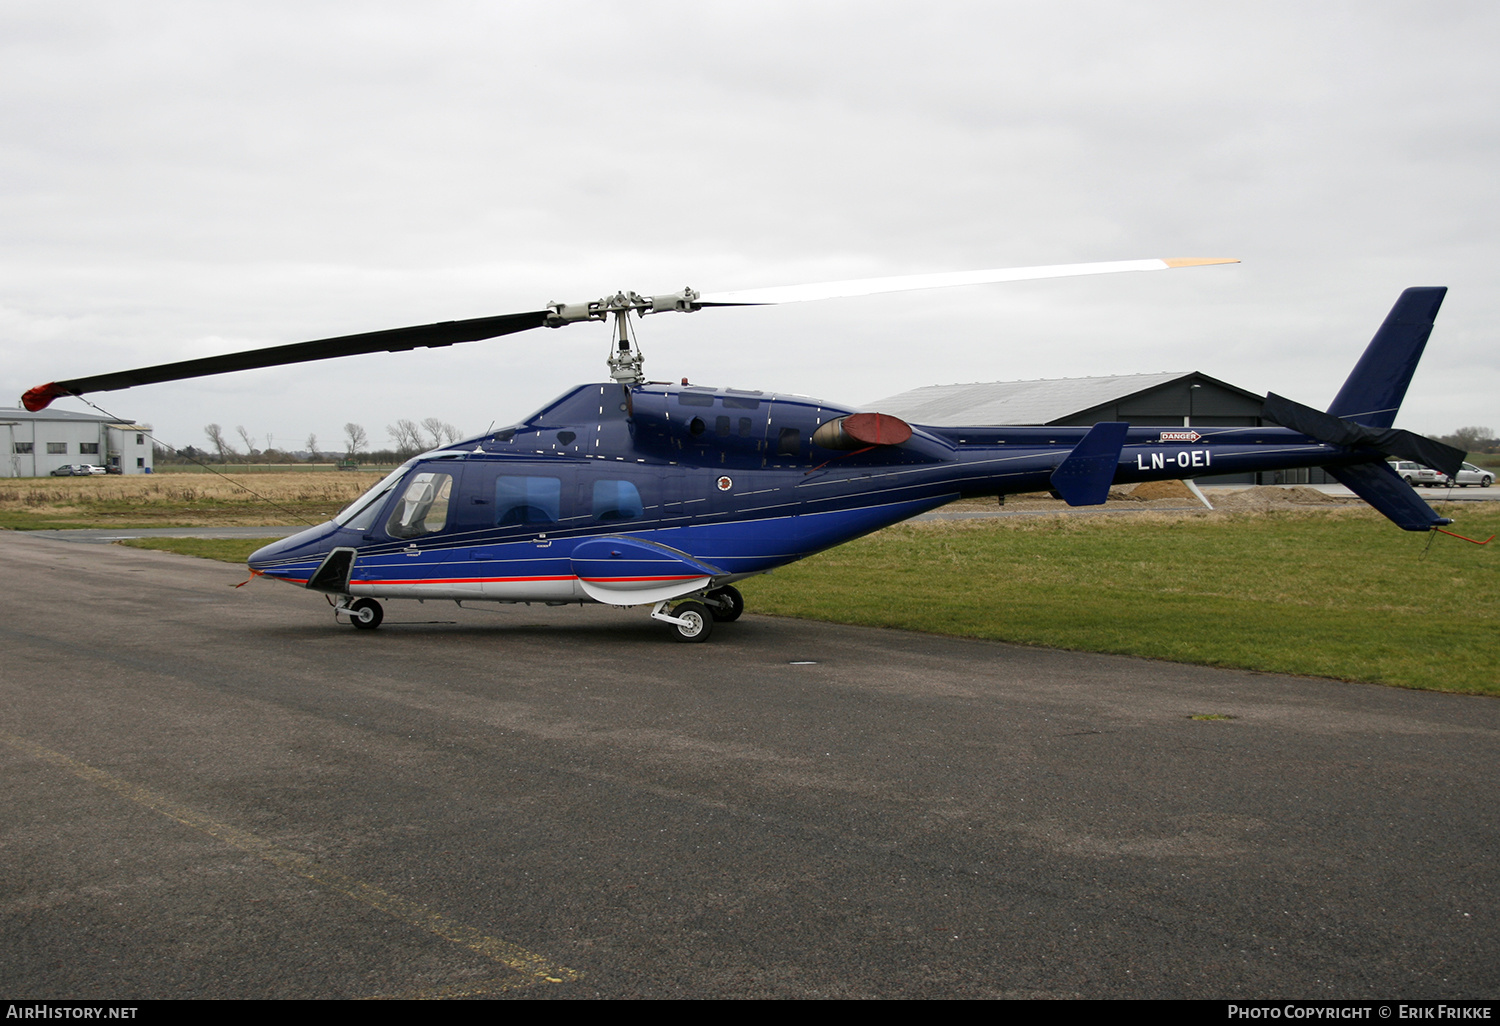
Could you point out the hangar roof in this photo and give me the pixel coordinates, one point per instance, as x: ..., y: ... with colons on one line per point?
x: 1017, y: 402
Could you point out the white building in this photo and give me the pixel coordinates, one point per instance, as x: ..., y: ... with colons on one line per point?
x: 36, y: 444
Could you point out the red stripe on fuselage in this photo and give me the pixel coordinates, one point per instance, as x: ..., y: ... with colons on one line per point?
x: 498, y: 580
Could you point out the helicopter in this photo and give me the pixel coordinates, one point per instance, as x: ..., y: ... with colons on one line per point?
x: 642, y: 493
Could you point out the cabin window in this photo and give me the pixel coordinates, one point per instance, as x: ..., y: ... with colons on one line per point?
x: 695, y: 398
x: 739, y: 402
x: 721, y: 427
x: 527, y: 500
x: 617, y: 500
x: 745, y: 427
x: 789, y: 443
x: 423, y: 506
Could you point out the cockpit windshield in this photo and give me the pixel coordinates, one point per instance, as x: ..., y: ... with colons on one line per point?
x: 370, y: 501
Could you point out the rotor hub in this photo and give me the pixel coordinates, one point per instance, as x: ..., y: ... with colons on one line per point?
x: 625, y: 358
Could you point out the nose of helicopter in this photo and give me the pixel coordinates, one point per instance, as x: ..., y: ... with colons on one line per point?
x: 296, y: 556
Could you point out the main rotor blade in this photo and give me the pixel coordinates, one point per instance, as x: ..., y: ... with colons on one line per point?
x: 391, y: 340
x: 447, y: 333
x: 942, y: 280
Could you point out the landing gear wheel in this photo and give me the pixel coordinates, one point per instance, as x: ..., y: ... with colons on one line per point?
x: 699, y: 625
x: 365, y: 614
x: 725, y: 604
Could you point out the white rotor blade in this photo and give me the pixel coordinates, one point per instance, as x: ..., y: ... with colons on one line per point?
x: 910, y: 282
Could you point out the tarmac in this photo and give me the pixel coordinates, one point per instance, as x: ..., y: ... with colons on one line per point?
x: 218, y: 792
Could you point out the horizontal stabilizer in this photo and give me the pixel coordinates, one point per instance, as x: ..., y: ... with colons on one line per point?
x: 1083, y: 479
x: 1383, y: 488
x: 1325, y: 427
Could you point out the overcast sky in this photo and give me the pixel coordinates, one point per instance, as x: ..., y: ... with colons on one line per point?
x: 182, y: 179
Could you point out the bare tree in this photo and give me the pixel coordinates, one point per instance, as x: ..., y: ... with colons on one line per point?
x: 312, y: 446
x: 355, y: 439
x: 247, y: 439
x: 407, y: 436
x: 439, y: 431
x: 1470, y: 438
x: 218, y: 441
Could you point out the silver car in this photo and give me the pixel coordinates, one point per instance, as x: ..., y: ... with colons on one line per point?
x: 1468, y: 474
x: 1415, y: 474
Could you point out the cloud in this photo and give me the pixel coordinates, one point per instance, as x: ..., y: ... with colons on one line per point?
x: 182, y: 179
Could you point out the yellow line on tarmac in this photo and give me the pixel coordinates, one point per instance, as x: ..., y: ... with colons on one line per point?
x: 480, y: 988
x: 510, y: 955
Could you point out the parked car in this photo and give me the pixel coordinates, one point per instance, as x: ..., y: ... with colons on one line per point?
x: 72, y: 470
x: 1468, y: 474
x: 1415, y: 474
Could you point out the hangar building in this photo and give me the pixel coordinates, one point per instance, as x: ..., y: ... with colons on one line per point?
x: 36, y: 444
x: 1168, y: 398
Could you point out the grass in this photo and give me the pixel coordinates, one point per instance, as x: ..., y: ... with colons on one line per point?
x: 170, y: 500
x: 1322, y: 592
x: 265, y: 468
x: 225, y: 550
x: 1330, y: 593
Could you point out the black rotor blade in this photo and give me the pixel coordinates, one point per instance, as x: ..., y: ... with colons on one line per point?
x: 1325, y: 427
x: 391, y: 340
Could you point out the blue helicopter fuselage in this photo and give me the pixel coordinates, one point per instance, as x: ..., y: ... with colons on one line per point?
x: 642, y: 493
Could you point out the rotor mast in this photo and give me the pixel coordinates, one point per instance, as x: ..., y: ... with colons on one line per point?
x: 626, y: 364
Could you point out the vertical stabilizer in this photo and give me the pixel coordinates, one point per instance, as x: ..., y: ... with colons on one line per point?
x: 1374, y: 391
